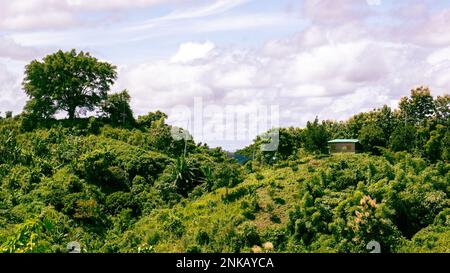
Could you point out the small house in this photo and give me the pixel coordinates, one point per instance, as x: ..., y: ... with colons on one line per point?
x: 337, y: 146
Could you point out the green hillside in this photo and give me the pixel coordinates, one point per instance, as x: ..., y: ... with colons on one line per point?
x: 84, y: 182
x: 116, y: 191
x: 114, y: 183
x: 299, y: 207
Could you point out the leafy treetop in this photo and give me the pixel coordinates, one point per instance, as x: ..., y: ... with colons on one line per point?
x: 67, y: 81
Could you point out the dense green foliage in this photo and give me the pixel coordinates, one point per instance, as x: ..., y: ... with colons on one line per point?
x: 117, y: 110
x: 116, y: 184
x: 92, y: 182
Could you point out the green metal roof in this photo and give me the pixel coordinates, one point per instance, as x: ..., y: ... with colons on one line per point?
x: 343, y: 141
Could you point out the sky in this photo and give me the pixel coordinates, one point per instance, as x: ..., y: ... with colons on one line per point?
x: 273, y: 62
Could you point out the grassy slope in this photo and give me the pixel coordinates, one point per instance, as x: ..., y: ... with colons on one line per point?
x: 276, y: 192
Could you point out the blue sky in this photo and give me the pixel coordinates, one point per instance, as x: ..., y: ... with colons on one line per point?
x: 326, y: 58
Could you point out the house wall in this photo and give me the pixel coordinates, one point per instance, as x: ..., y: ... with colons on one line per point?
x: 342, y: 148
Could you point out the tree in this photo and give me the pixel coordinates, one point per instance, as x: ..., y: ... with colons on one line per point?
x: 403, y: 138
x: 184, y: 175
x: 117, y: 108
x: 437, y: 146
x: 418, y: 107
x: 67, y: 81
x: 289, y: 142
x: 151, y: 118
x: 355, y: 124
x: 336, y: 129
x: 371, y: 137
x: 316, y: 137
x: 442, y: 109
x: 384, y: 118
x: 37, y: 109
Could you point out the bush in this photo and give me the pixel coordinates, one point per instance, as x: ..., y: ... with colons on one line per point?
x: 202, y: 237
x: 248, y: 235
x: 118, y: 201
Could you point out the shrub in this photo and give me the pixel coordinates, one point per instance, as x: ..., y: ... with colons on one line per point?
x: 248, y: 234
x: 202, y: 237
x: 118, y: 201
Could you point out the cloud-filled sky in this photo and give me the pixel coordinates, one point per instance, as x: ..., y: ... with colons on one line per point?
x: 326, y: 58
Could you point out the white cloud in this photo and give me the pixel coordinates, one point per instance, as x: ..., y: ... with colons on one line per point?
x: 362, y: 99
x: 12, y: 50
x: 242, y: 76
x: 331, y: 79
x: 192, y: 51
x: 306, y: 90
x: 439, y: 56
x: 434, y: 31
x: 161, y: 85
x: 34, y: 14
x: 12, y: 97
x: 335, y: 11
